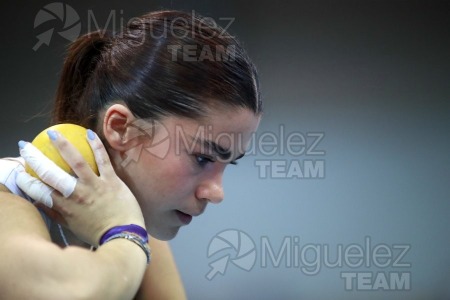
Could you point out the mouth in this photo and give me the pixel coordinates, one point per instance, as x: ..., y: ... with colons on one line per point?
x: 183, y: 217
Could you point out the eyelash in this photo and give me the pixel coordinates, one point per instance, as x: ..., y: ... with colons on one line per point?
x: 207, y: 159
x: 202, y: 160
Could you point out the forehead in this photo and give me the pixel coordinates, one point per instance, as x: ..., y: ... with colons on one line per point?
x: 236, y: 120
x: 223, y: 126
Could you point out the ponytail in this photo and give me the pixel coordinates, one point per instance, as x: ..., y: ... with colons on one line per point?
x: 71, y: 105
x: 137, y: 68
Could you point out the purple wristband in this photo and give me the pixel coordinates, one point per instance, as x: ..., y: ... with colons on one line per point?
x: 136, y: 229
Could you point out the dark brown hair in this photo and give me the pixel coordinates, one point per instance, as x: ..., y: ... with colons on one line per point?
x: 140, y: 67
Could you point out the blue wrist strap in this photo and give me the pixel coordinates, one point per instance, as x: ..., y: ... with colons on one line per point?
x: 131, y: 232
x: 131, y: 228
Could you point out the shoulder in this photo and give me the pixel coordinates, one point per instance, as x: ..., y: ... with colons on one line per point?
x: 17, y: 213
x: 18, y: 216
x: 9, y: 168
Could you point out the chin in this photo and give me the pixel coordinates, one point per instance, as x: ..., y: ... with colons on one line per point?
x: 163, y: 234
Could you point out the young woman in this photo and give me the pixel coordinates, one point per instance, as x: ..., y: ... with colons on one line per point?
x: 169, y: 76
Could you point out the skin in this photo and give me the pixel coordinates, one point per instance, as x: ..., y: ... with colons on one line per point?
x: 185, y: 180
x: 184, y: 177
x: 190, y: 175
x: 32, y: 260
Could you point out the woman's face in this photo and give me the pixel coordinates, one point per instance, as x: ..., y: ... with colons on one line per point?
x: 178, y: 171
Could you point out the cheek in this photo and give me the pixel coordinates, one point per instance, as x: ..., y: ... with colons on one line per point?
x: 178, y: 179
x: 168, y: 177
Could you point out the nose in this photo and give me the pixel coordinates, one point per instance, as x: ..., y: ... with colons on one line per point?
x: 211, y: 190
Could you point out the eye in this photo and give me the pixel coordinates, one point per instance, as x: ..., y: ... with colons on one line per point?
x: 203, y: 160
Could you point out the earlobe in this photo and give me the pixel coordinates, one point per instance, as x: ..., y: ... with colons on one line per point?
x: 115, y: 126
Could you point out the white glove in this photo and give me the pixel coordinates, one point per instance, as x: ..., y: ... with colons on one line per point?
x: 34, y: 188
x: 48, y: 172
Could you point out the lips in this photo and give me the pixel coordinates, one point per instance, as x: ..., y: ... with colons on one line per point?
x: 184, y: 218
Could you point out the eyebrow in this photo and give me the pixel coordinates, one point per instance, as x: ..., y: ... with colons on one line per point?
x: 239, y: 157
x: 220, y: 151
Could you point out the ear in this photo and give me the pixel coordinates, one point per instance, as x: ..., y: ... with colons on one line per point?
x: 116, y: 127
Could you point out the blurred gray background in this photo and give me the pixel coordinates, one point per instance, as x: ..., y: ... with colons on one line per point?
x: 372, y: 77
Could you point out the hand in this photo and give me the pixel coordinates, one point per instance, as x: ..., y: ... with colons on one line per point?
x: 88, y: 205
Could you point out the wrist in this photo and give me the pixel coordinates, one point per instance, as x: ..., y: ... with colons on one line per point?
x: 131, y: 232
x: 137, y: 230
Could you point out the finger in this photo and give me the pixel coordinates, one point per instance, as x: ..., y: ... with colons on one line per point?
x: 101, y: 156
x: 62, y: 206
x: 47, y: 170
x: 34, y: 188
x: 72, y: 156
